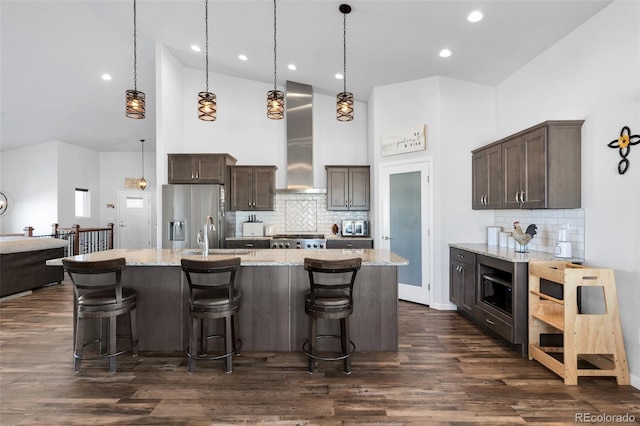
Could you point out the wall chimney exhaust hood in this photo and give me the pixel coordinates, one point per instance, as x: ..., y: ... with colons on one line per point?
x: 299, y: 107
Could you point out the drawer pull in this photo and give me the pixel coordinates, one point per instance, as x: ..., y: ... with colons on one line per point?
x: 489, y: 321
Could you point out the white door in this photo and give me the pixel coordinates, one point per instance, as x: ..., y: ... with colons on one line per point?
x: 406, y: 224
x: 134, y: 220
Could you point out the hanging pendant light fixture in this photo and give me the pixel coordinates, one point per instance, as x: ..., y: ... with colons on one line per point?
x: 344, y: 104
x: 142, y: 183
x: 135, y: 104
x: 207, y: 107
x: 275, y: 97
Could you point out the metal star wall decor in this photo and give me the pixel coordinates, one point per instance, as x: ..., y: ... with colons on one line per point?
x: 624, y: 143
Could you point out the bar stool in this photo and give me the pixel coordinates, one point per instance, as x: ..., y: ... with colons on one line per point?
x: 330, y: 297
x: 212, y: 295
x: 98, y: 294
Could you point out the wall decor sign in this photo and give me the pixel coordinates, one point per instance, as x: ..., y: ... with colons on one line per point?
x: 403, y: 141
x: 623, y: 144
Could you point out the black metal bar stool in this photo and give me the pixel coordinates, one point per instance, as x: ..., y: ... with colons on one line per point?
x: 98, y: 294
x: 330, y: 297
x: 212, y: 295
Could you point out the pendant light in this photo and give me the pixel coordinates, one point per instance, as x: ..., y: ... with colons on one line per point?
x: 135, y: 104
x: 344, y: 104
x: 142, y: 183
x: 275, y: 97
x: 207, y: 107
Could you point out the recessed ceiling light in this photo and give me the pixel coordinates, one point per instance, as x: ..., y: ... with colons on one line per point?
x: 106, y: 77
x: 243, y: 57
x: 475, y: 16
x: 196, y: 48
x: 339, y: 76
x: 292, y: 67
x: 445, y: 53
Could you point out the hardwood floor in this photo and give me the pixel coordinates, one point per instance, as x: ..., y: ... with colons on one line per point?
x: 447, y: 371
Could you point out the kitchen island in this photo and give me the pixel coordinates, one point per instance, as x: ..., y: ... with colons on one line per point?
x: 273, y: 284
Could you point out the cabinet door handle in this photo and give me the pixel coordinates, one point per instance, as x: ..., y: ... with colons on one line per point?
x: 486, y: 199
x: 249, y: 245
x: 193, y: 175
x: 522, y: 200
x: 489, y: 321
x: 254, y: 203
x: 518, y: 197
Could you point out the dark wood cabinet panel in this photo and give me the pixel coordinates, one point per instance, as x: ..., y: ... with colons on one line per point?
x: 537, y: 168
x: 348, y: 188
x: 347, y: 243
x: 462, y: 280
x: 487, y: 178
x: 252, y: 188
x: 198, y: 168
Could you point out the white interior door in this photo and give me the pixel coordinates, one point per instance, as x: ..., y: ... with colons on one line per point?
x: 134, y: 220
x: 406, y: 224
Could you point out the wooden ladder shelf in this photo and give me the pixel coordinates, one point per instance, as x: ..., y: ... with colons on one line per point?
x: 591, y: 343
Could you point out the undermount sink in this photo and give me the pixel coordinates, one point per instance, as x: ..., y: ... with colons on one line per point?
x: 213, y: 252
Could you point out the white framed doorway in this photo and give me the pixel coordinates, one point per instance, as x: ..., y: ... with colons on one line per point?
x: 406, y: 225
x: 134, y: 219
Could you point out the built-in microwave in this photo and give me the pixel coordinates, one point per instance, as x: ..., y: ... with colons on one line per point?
x: 355, y: 228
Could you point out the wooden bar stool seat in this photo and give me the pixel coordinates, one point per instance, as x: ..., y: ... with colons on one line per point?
x: 330, y: 297
x: 98, y: 294
x: 212, y: 295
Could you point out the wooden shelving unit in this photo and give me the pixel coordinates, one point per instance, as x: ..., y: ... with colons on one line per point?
x: 561, y: 337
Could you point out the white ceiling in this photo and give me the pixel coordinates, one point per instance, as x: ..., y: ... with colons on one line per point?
x: 54, y: 53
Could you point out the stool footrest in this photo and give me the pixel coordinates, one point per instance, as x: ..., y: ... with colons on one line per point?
x: 305, y: 349
x: 236, y: 350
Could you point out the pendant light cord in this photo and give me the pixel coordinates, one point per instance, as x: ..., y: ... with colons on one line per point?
x: 344, y: 41
x: 206, y: 42
x: 275, y: 63
x: 142, y: 145
x: 135, y: 57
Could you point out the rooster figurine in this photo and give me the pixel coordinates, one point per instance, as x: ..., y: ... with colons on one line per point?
x: 523, y: 238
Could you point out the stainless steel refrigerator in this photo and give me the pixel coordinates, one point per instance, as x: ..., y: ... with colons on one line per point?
x: 184, y: 210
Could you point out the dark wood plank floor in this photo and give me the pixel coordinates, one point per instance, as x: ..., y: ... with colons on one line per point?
x: 446, y: 372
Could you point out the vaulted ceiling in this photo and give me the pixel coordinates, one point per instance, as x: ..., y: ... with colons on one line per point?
x: 55, y: 52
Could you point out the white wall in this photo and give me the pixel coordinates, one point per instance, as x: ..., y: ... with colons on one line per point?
x: 243, y: 130
x: 459, y: 117
x: 30, y: 176
x: 594, y: 74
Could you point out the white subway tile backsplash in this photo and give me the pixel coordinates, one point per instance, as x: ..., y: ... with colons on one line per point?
x: 548, y: 224
x: 295, y: 213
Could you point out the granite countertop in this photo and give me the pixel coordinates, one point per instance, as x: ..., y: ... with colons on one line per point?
x: 249, y: 257
x: 510, y: 254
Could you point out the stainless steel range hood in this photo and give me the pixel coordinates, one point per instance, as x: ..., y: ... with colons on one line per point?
x: 299, y: 106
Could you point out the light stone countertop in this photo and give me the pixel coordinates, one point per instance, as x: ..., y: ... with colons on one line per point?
x: 510, y: 254
x: 249, y: 257
x: 326, y: 237
x: 26, y: 244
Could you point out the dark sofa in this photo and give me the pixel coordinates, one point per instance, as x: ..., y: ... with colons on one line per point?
x: 23, y: 263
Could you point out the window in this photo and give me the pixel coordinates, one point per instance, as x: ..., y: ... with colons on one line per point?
x: 83, y: 203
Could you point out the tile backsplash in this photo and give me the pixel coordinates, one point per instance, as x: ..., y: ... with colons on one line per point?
x: 304, y: 213
x: 548, y: 223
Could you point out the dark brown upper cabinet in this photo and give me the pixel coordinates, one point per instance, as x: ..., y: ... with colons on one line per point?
x: 199, y: 168
x: 348, y: 187
x: 252, y: 188
x: 539, y: 168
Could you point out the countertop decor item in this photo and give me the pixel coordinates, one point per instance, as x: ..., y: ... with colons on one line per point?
x: 335, y: 229
x: 275, y: 97
x: 344, y: 104
x: 623, y: 144
x: 207, y: 107
x: 5, y: 204
x: 135, y: 100
x: 523, y: 238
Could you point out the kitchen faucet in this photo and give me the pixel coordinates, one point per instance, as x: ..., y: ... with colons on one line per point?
x: 208, y: 225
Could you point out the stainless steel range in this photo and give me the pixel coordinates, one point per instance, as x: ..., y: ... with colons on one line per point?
x: 298, y: 241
